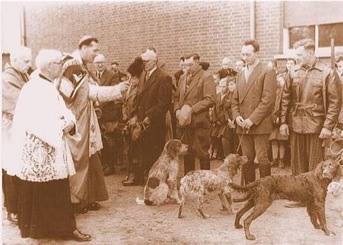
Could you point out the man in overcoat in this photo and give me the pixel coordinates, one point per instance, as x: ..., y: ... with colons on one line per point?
x: 252, y: 109
x: 154, y: 98
x: 195, y: 94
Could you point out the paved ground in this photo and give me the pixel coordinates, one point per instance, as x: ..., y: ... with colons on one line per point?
x: 122, y: 221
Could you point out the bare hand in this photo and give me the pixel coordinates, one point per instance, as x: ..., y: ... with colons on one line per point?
x: 133, y: 121
x: 230, y: 123
x: 68, y: 127
x: 325, y: 133
x: 240, y: 121
x: 123, y: 86
x: 284, y: 130
x: 247, y: 123
x: 146, y: 121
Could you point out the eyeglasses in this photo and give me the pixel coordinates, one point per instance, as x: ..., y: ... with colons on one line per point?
x: 58, y: 62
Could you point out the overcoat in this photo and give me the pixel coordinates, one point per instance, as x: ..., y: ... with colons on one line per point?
x: 154, y: 97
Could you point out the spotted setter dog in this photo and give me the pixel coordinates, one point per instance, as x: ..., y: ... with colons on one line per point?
x: 199, y: 181
x: 162, y: 178
x: 309, y: 188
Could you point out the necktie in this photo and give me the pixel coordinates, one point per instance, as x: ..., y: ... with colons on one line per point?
x: 98, y: 75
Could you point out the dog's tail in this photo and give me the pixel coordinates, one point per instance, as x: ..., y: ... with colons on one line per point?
x: 140, y: 201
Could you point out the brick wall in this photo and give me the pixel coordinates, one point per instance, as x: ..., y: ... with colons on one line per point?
x: 124, y: 29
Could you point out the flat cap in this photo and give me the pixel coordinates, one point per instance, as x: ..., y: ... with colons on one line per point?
x: 149, y: 55
x: 85, y: 39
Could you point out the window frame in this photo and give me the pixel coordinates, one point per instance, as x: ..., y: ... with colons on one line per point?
x: 320, y: 51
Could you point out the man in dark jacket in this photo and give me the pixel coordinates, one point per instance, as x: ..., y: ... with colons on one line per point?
x: 109, y: 113
x: 310, y: 105
x: 252, y: 109
x: 154, y: 98
x: 195, y: 94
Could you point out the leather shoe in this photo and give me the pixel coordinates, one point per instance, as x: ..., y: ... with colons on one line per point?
x: 94, y: 206
x: 80, y: 237
x: 12, y: 218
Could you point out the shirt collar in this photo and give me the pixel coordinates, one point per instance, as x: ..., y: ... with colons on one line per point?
x: 151, y: 71
x: 250, y: 68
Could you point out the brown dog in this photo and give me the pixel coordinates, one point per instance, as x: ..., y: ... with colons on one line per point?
x: 308, y: 188
x: 162, y: 178
x: 199, y: 181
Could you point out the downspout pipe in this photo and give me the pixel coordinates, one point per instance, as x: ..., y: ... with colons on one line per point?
x: 252, y: 19
x: 23, y: 27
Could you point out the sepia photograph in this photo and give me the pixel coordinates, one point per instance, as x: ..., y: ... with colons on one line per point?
x: 135, y: 122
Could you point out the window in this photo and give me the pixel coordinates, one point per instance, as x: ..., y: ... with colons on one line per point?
x: 300, y: 32
x: 330, y: 30
x: 321, y: 34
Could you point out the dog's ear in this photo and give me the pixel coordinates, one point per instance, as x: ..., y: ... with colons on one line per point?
x: 173, y: 148
x: 339, y: 173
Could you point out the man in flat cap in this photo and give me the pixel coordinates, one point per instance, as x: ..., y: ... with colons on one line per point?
x: 195, y: 94
x: 153, y: 101
x: 80, y: 92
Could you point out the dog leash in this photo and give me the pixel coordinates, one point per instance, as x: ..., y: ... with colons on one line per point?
x: 239, y: 145
x: 183, y: 135
x: 240, y: 139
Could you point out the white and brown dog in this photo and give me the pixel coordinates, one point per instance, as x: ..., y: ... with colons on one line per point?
x: 199, y: 181
x: 335, y: 190
x: 162, y: 178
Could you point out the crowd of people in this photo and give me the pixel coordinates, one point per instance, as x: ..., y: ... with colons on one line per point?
x: 65, y: 127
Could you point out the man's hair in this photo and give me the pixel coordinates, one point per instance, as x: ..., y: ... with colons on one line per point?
x: 253, y: 43
x: 195, y: 56
x: 88, y: 41
x: 115, y: 63
x: 307, y: 43
x: 19, y: 52
x: 46, y: 56
x: 152, y: 48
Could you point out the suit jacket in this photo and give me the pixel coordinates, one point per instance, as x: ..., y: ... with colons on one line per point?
x: 111, y: 111
x: 154, y: 98
x: 107, y: 78
x: 255, y: 99
x: 200, y: 95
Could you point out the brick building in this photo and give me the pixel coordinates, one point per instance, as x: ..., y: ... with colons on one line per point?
x: 214, y: 29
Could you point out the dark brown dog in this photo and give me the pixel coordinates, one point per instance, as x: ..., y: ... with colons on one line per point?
x: 199, y: 181
x: 308, y: 188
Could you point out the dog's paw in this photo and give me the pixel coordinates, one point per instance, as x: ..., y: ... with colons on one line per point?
x: 238, y: 226
x: 330, y: 233
x: 139, y: 201
x: 250, y: 237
